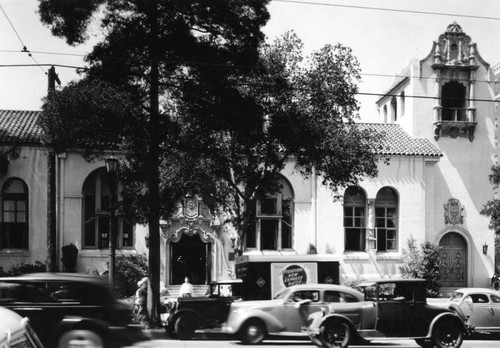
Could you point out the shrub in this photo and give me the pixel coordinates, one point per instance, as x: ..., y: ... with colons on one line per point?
x: 128, y: 271
x: 24, y: 268
x: 423, y: 263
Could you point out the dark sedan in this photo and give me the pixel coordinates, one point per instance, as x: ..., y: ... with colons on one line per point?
x: 70, y: 309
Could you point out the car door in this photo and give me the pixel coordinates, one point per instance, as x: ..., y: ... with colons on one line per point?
x: 495, y: 309
x: 392, y: 313
x: 345, y: 304
x: 296, y: 309
x: 478, y: 308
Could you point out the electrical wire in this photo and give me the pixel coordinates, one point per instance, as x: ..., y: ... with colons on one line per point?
x: 315, y: 3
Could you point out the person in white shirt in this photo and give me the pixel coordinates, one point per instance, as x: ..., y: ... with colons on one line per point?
x: 186, y: 289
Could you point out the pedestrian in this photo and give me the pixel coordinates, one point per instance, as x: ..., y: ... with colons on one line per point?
x: 495, y: 282
x: 141, y: 303
x: 186, y: 289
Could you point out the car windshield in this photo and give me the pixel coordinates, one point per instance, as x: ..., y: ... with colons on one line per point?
x: 282, y: 294
x: 457, y: 296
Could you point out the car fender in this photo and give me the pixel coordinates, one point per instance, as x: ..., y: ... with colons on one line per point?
x: 198, y: 319
x: 456, y: 308
x: 272, y: 324
x: 75, y: 323
x: 448, y: 315
x: 317, y: 322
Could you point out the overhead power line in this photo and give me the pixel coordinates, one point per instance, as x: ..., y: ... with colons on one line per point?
x: 25, y: 49
x: 315, y: 3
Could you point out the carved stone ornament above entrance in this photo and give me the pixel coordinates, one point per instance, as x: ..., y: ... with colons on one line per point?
x: 453, y: 212
x: 192, y: 217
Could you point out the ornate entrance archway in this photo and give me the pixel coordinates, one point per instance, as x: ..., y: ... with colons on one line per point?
x: 188, y: 257
x: 454, y: 260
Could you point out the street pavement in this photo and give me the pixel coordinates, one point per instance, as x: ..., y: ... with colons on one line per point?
x: 208, y: 339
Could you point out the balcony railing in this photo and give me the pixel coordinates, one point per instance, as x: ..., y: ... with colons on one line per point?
x: 454, y: 122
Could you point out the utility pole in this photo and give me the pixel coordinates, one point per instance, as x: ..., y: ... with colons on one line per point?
x: 51, y: 264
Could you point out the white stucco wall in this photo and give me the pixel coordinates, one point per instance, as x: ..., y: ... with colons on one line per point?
x: 31, y: 167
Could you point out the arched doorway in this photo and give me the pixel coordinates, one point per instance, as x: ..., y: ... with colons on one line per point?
x: 189, y: 258
x: 454, y: 260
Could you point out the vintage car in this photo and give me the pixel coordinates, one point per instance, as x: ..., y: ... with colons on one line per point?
x: 68, y: 309
x: 480, y: 305
x: 15, y: 331
x: 187, y: 314
x: 288, y: 313
x: 393, y: 309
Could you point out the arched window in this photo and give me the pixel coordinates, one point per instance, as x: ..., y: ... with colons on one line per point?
x: 384, y: 112
x: 272, y: 228
x: 402, y: 102
x: 386, y: 219
x: 96, y: 214
x: 394, y: 109
x: 14, y: 215
x: 354, y: 219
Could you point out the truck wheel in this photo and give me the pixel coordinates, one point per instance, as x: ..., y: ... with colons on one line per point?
x: 84, y: 338
x: 335, y: 333
x: 447, y: 334
x: 184, y: 327
x: 253, y: 331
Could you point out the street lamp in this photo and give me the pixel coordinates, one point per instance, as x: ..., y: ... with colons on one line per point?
x: 111, y: 167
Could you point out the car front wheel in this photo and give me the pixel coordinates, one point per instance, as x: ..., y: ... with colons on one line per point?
x: 448, y: 334
x: 335, y: 333
x: 253, y: 331
x: 184, y: 327
x: 80, y: 338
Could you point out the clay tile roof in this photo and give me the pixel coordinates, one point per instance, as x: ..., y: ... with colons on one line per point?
x: 18, y: 126
x: 398, y: 142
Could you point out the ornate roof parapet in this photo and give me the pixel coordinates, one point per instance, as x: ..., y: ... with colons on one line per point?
x: 454, y: 48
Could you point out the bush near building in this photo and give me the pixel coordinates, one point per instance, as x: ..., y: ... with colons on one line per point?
x: 423, y: 263
x: 129, y: 269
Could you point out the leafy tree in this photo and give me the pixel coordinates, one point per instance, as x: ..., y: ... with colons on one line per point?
x: 149, y: 46
x: 290, y: 110
x: 423, y: 263
x: 492, y: 210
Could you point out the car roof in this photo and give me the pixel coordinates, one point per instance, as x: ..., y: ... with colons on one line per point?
x: 480, y: 290
x: 56, y: 276
x: 227, y: 281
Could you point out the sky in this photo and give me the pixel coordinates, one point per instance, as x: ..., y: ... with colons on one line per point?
x: 383, y: 34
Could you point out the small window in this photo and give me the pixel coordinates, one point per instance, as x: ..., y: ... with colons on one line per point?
x: 495, y: 299
x: 479, y: 298
x: 298, y: 296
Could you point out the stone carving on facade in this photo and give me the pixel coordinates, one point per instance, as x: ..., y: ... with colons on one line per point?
x: 455, y: 59
x: 192, y: 217
x: 453, y: 212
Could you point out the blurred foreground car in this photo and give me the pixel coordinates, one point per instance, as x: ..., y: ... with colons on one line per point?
x: 68, y: 309
x: 287, y: 314
x: 393, y: 309
x: 15, y: 331
x: 480, y: 305
x: 187, y: 314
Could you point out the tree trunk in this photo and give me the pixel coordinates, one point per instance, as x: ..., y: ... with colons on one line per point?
x: 51, y: 263
x: 152, y: 172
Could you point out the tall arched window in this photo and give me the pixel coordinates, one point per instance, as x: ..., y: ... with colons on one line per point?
x: 403, y: 103
x: 96, y: 214
x: 394, y: 109
x: 386, y: 219
x: 272, y: 228
x: 354, y: 219
x: 14, y: 215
